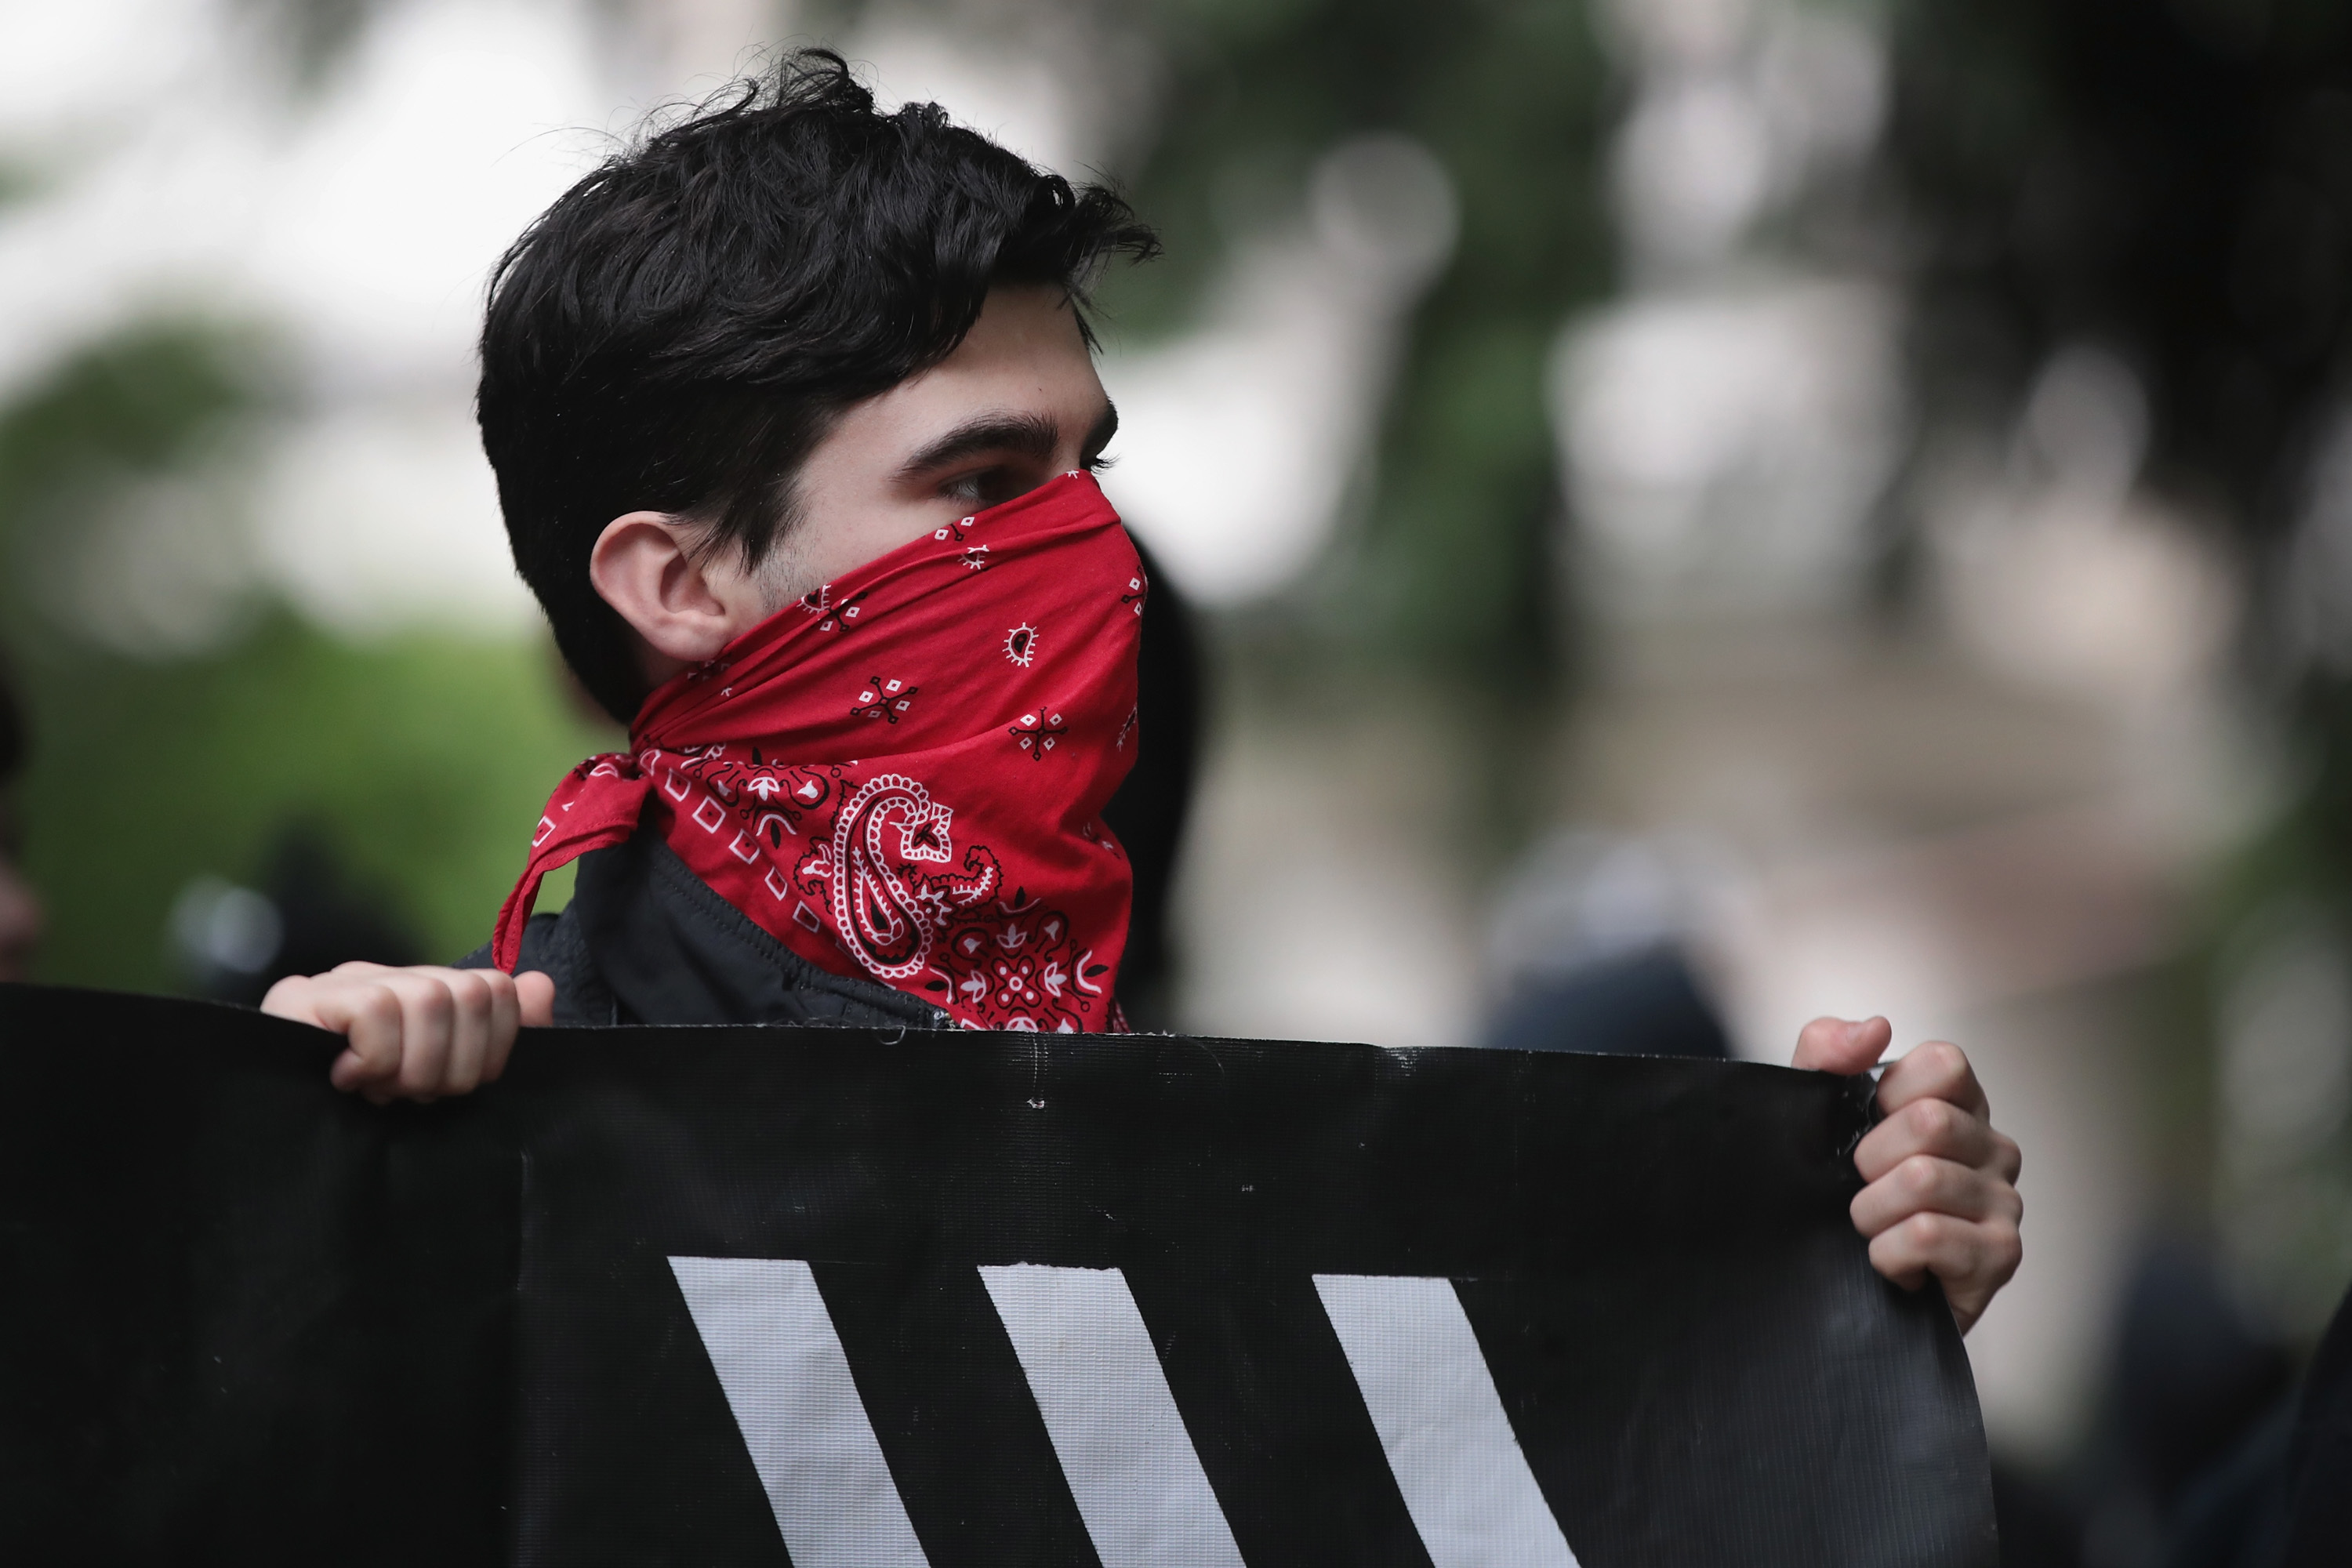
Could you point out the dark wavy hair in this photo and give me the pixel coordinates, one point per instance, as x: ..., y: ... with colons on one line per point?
x: 682, y: 327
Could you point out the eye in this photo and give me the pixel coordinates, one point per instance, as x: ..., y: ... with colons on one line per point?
x: 970, y: 489
x: 990, y: 486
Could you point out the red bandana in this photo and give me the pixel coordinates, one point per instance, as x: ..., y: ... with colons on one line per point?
x: 900, y: 776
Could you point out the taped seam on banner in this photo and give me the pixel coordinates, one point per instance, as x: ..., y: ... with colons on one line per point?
x: 1124, y: 1450
x: 787, y: 1379
x: 1450, y: 1445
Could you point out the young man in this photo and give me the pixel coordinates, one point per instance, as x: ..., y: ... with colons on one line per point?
x: 792, y: 410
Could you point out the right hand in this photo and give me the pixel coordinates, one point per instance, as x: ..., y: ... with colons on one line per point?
x: 418, y: 1033
x: 1942, y: 1194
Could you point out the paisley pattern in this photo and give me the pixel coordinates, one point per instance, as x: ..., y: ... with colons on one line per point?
x: 887, y: 908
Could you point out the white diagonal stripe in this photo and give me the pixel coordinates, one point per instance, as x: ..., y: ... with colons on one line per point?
x: 1449, y: 1445
x: 787, y: 1379
x: 1097, y: 1381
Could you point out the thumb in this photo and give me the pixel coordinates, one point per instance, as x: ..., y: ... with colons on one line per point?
x: 535, y: 996
x: 1834, y: 1045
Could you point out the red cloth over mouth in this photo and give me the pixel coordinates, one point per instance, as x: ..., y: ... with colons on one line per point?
x: 902, y: 775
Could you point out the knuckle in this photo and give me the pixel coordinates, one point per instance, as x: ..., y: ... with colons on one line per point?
x: 435, y: 1002
x: 1919, y: 1177
x: 1934, y: 1121
x: 1927, y: 1232
x: 2000, y: 1251
x: 1945, y: 1059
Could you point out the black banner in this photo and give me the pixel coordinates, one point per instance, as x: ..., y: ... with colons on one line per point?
x: 845, y: 1300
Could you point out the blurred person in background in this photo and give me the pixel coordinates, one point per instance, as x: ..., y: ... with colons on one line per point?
x: 306, y: 913
x: 20, y: 909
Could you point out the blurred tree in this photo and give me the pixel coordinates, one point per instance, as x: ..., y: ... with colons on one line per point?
x: 417, y: 757
x: 1454, y: 568
x: 2172, y: 182
x: 310, y: 36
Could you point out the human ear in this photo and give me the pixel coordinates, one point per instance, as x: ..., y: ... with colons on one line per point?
x: 687, y: 607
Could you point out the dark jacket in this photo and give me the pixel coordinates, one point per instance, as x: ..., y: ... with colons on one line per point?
x: 645, y: 941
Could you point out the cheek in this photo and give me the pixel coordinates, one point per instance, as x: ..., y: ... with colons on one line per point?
x: 839, y: 541
x: 847, y: 512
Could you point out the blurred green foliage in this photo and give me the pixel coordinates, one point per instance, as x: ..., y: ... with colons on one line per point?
x: 1451, y: 572
x: 422, y: 759
x: 1447, y: 576
x: 1453, y: 569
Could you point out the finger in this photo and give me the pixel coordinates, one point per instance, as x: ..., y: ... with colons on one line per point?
x: 533, y: 996
x: 469, y: 1030
x: 427, y: 1018
x: 1935, y: 1127
x: 506, y: 1016
x: 1836, y: 1045
x: 537, y: 993
x: 1936, y: 1071
x: 295, y: 997
x: 1924, y: 1184
x: 1973, y: 1259
x: 369, y: 1019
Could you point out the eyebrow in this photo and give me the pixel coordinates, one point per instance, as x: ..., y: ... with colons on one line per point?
x: 1027, y: 434
x: 1030, y: 435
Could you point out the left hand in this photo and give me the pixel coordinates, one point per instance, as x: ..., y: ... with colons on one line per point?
x: 417, y: 1033
x: 1941, y: 1196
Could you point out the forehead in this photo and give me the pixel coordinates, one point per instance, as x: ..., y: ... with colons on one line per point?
x: 1025, y: 358
x: 1026, y: 334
